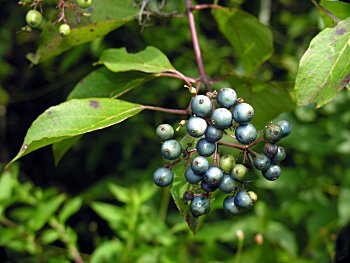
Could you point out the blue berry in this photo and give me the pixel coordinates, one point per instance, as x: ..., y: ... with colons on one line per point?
x: 171, y: 149
x: 191, y: 177
x: 280, y: 155
x: 165, y: 132
x: 221, y: 118
x: 213, y: 134
x: 230, y: 206
x: 226, y: 97
x: 262, y: 162
x: 243, y: 199
x: 286, y: 127
x: 196, y: 126
x: 272, y: 173
x: 243, y: 113
x: 205, y: 148
x: 207, y: 188
x: 273, y: 133
x: 199, y: 206
x: 163, y: 177
x: 201, y: 106
x: 213, y: 176
x: 199, y: 165
x: 270, y: 149
x: 227, y: 184
x: 246, y: 133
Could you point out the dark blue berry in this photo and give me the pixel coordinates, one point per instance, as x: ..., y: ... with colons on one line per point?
x: 243, y: 113
x: 163, y: 177
x: 230, y: 206
x: 280, y: 155
x: 205, y: 148
x: 221, y: 118
x: 246, y: 133
x: 270, y: 149
x: 262, y: 162
x: 213, y: 134
x: 286, y: 127
x: 191, y: 177
x: 201, y: 106
x: 227, y: 184
x: 213, y: 176
x: 207, y: 188
x: 199, y: 206
x: 243, y: 199
x: 199, y: 165
x: 196, y: 126
x: 272, y: 173
x: 226, y: 97
x: 171, y: 149
x: 273, y: 133
x: 165, y: 132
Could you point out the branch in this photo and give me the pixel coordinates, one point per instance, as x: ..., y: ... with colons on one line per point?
x: 174, y: 111
x: 324, y: 10
x: 195, y: 43
x: 206, y: 6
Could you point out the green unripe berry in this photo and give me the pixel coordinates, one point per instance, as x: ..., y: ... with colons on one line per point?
x: 227, y: 162
x: 34, y: 18
x: 84, y: 3
x: 64, y: 30
x: 239, y: 171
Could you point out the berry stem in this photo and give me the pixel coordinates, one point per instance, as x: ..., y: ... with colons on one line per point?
x: 178, y: 75
x: 324, y: 10
x: 196, y: 46
x: 206, y: 6
x: 174, y: 111
x: 245, y: 148
x: 256, y: 142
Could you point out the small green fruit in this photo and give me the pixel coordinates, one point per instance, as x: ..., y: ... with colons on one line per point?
x: 64, y: 30
x: 84, y: 3
x: 227, y: 162
x: 34, y: 18
x: 239, y: 172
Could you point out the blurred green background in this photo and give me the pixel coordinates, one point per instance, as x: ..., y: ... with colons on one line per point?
x: 101, y: 199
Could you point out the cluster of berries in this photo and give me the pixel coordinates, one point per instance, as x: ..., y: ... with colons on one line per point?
x: 34, y: 18
x: 209, y: 125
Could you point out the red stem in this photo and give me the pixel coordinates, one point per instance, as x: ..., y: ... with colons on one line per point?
x: 196, y: 46
x: 206, y: 6
x: 174, y: 111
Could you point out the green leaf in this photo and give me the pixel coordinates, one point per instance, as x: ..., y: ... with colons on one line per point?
x: 60, y: 148
x: 340, y: 9
x: 103, y: 83
x: 180, y: 185
x: 69, y: 209
x: 108, y: 251
x: 325, y: 67
x: 113, y: 214
x: 252, y: 41
x: 106, y: 15
x: 73, y: 118
x: 122, y: 194
x: 49, y: 236
x: 44, y: 211
x: 267, y: 99
x: 282, y: 236
x: 343, y: 207
x: 150, y: 60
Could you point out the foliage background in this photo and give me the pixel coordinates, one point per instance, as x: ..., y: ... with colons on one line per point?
x: 117, y: 213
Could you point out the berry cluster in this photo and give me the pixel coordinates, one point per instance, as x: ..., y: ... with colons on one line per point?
x: 209, y: 125
x: 34, y: 18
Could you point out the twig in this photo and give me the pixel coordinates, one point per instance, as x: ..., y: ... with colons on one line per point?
x: 196, y: 46
x: 182, y: 112
x: 206, y: 6
x: 324, y: 10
